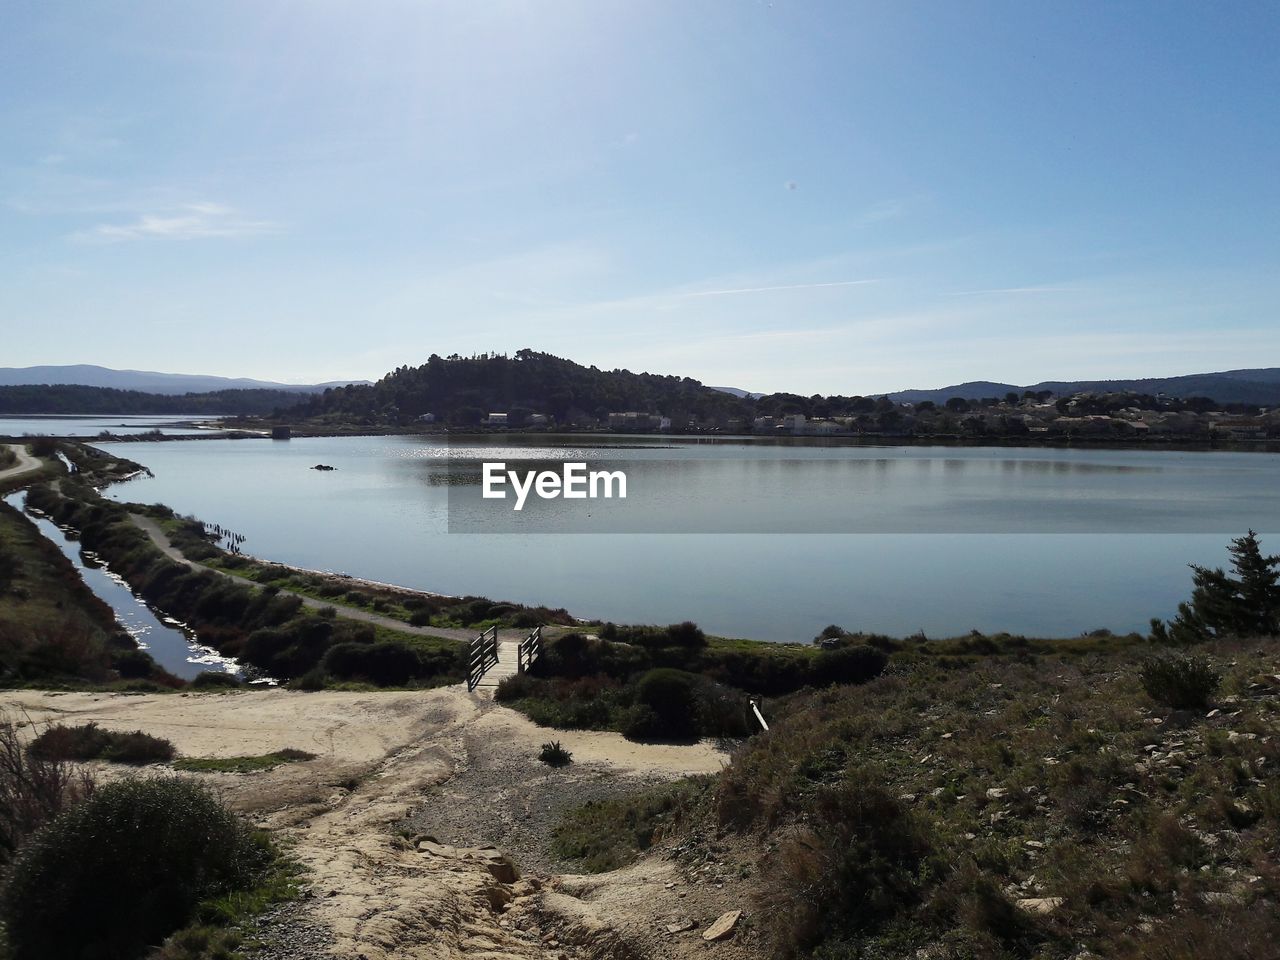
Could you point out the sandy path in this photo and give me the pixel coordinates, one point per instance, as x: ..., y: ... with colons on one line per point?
x: 380, y: 755
x: 26, y: 463
x: 158, y: 537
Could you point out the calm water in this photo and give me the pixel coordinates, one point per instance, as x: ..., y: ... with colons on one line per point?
x: 961, y: 538
x: 171, y: 646
x: 90, y: 426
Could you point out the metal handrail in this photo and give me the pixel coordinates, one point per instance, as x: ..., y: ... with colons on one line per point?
x: 481, y: 655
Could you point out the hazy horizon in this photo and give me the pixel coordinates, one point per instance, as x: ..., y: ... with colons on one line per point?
x: 825, y: 197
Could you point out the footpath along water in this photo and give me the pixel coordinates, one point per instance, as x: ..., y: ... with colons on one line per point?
x: 168, y: 642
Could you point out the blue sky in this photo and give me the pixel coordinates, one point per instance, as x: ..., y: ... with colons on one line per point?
x: 821, y: 197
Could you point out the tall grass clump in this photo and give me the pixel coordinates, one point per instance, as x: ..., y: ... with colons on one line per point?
x: 1180, y: 682
x: 33, y: 790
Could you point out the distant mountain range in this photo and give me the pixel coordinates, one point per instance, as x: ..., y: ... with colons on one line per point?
x: 147, y: 381
x: 547, y: 382
x: 1260, y: 386
x: 739, y: 393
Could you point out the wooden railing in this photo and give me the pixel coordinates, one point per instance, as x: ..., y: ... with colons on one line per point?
x: 482, y: 654
x: 529, y: 650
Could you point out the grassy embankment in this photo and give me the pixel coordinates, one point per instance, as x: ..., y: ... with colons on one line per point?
x: 412, y: 607
x: 259, y: 626
x: 54, y: 632
x: 1013, y: 805
x: 676, y: 683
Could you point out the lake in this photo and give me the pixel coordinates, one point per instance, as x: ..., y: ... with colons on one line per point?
x: 1043, y: 542
x: 59, y: 425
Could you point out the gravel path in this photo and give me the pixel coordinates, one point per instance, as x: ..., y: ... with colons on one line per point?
x: 26, y: 463
x: 502, y: 794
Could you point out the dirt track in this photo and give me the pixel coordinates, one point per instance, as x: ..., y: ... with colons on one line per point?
x: 26, y: 463
x: 387, y: 760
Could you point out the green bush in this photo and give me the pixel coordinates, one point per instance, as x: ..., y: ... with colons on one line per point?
x: 386, y: 663
x: 668, y: 706
x: 119, y: 871
x: 850, y: 867
x: 1180, y: 682
x: 853, y: 664
x: 214, y: 680
x: 132, y: 664
x: 90, y: 742
x: 518, y: 686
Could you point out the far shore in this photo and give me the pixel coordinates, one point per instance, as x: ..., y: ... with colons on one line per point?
x: 305, y: 431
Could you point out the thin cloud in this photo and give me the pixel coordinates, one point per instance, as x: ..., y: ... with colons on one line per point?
x: 786, y: 286
x: 191, y: 221
x: 1000, y: 291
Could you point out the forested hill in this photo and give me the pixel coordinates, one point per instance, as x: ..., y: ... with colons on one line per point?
x: 1256, y: 386
x: 76, y: 399
x: 465, y: 389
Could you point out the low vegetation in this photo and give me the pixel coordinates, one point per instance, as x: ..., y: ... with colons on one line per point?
x: 1025, y: 806
x: 607, y: 834
x: 88, y: 741
x: 255, y: 764
x: 555, y: 755
x: 1002, y: 798
x: 54, y: 631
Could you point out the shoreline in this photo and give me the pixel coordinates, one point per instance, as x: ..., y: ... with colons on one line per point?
x: 835, y: 440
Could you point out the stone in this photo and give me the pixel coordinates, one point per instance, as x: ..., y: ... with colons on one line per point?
x: 1040, y: 906
x: 680, y: 926
x: 997, y: 793
x: 502, y: 869
x: 723, y: 928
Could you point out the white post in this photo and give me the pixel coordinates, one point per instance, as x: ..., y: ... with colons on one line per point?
x: 755, y: 708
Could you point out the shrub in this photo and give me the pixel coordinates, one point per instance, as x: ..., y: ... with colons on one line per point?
x: 854, y: 664
x: 687, y: 634
x: 518, y: 686
x: 132, y: 664
x: 214, y: 679
x: 385, y: 664
x: 90, y: 742
x: 554, y: 755
x: 830, y: 635
x: 1180, y: 682
x: 669, y: 697
x: 124, y: 868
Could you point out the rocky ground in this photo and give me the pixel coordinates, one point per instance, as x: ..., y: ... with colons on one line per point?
x: 397, y: 819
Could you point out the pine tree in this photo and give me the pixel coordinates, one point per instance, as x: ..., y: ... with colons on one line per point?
x: 1246, y: 605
